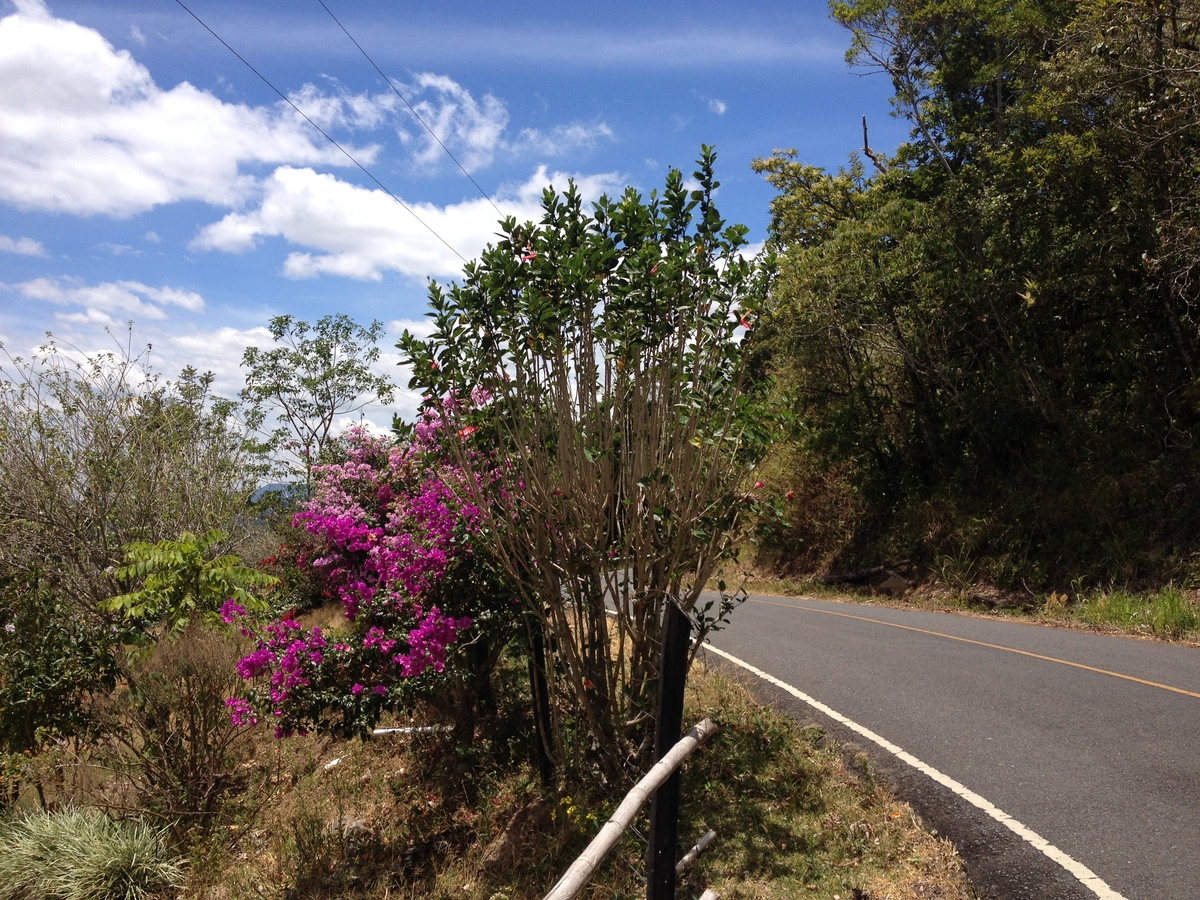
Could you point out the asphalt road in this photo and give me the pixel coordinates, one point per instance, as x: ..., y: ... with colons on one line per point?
x: 1089, y: 741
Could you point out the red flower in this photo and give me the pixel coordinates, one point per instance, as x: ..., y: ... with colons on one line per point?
x: 791, y: 495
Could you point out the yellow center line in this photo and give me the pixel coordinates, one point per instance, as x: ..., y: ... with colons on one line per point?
x: 1054, y: 659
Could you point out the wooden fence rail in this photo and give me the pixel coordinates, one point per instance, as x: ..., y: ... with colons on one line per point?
x: 692, y: 855
x: 580, y: 872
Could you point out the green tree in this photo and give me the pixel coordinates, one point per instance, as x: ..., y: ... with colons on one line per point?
x: 995, y: 335
x: 958, y: 67
x: 598, y: 359
x: 54, y: 662
x: 316, y: 374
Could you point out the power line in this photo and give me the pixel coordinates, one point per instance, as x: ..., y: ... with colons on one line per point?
x: 324, y: 133
x: 416, y: 114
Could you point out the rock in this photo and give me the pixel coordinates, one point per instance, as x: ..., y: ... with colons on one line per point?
x: 893, y: 585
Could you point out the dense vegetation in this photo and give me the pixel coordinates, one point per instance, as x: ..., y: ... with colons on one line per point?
x: 991, y: 338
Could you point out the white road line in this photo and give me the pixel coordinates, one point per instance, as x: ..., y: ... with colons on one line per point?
x: 1086, y: 876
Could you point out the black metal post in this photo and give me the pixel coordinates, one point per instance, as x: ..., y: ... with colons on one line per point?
x: 664, y: 808
x: 539, y: 684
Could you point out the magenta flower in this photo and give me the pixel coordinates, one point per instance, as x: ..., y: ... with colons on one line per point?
x: 231, y: 610
x: 393, y: 528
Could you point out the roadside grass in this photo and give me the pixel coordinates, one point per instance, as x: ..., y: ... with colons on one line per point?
x: 1170, y: 613
x: 404, y: 816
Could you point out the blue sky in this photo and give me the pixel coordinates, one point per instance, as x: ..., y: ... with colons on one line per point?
x: 147, y: 175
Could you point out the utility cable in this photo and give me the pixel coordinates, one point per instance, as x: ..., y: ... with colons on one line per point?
x: 416, y: 114
x: 324, y: 133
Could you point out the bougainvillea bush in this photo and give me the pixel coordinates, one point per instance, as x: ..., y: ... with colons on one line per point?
x: 425, y: 614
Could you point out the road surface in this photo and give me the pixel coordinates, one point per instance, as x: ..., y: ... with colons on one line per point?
x: 1084, y: 742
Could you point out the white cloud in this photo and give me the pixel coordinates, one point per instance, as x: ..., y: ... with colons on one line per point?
x: 753, y: 249
x: 22, y: 246
x: 84, y: 129
x: 471, y: 129
x: 118, y: 249
x: 631, y: 44
x: 360, y: 233
x: 90, y: 318
x: 474, y: 130
x: 342, y: 109
x: 216, y: 350
x: 407, y: 401
x: 562, y: 139
x: 421, y: 328
x: 128, y: 299
x: 34, y: 9
x: 717, y: 106
x: 188, y: 300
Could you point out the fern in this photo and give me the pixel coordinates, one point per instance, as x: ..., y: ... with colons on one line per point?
x: 182, y: 578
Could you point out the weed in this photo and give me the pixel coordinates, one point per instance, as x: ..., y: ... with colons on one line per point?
x: 1173, y: 615
x: 1055, y: 603
x: 172, y: 735
x: 956, y: 571
x: 793, y: 818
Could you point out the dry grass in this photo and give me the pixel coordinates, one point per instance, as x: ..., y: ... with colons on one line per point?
x: 404, y: 816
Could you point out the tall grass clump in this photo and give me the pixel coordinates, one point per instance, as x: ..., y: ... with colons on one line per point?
x: 1166, y: 614
x: 79, y: 854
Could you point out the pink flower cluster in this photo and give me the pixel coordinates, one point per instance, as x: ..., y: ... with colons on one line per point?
x: 393, y: 526
x: 300, y: 667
